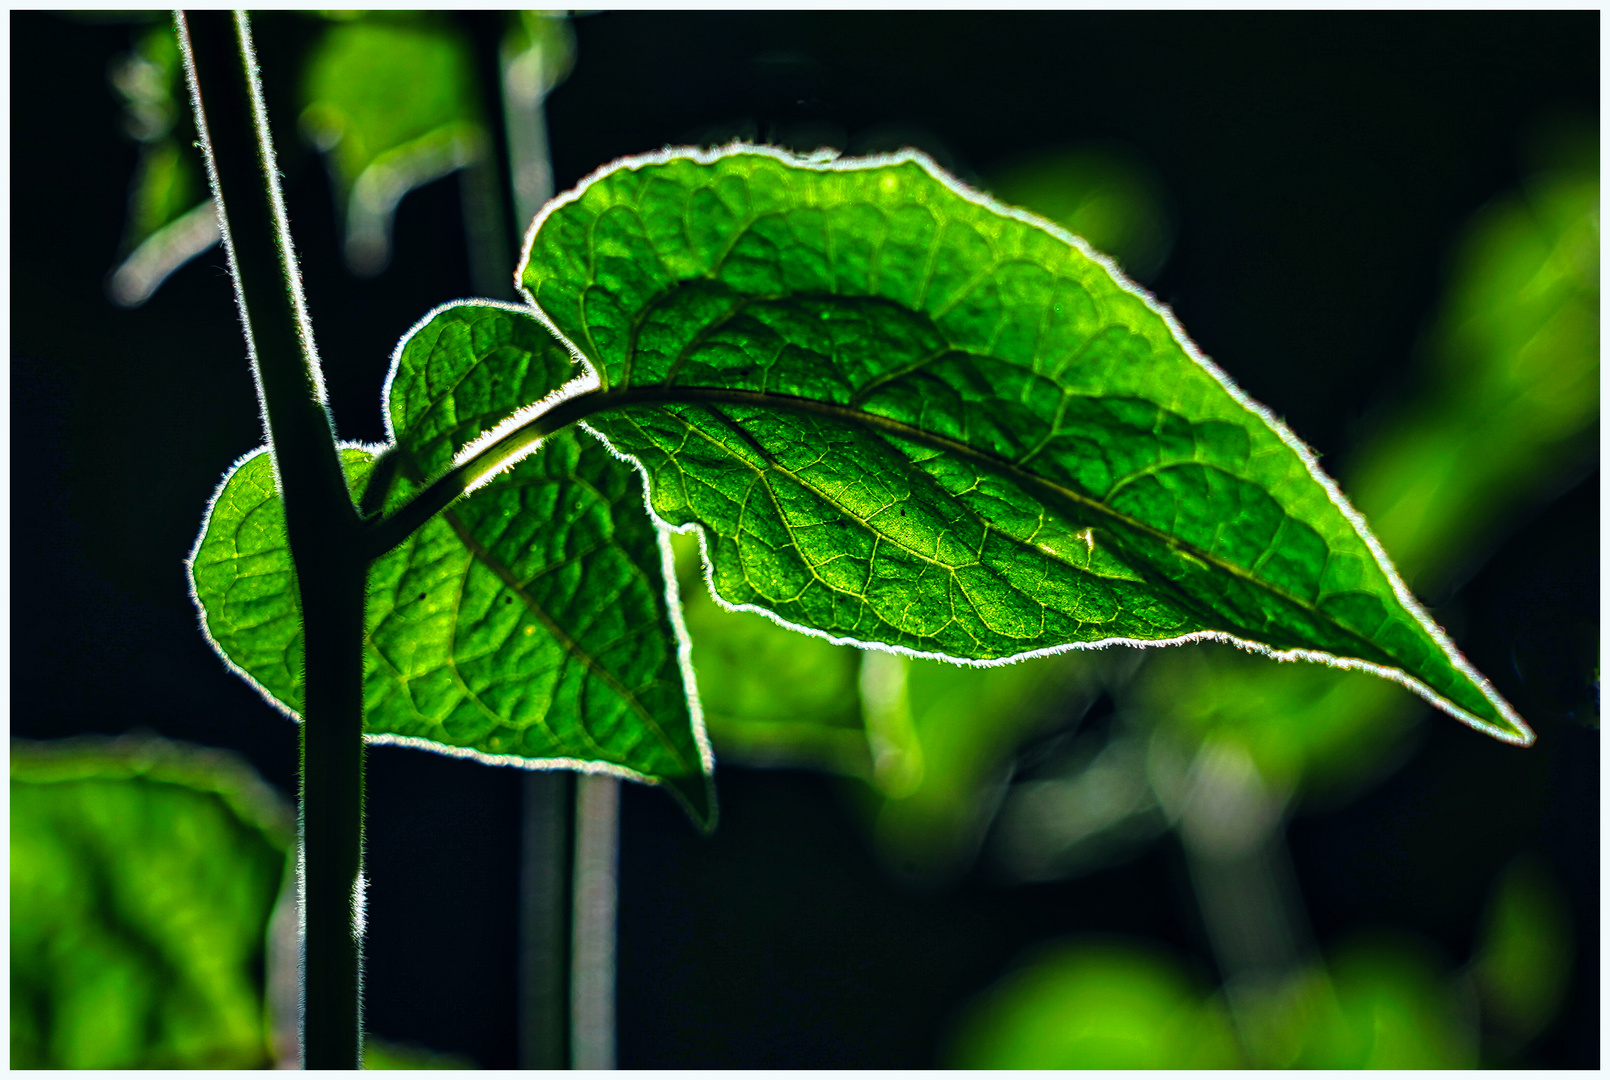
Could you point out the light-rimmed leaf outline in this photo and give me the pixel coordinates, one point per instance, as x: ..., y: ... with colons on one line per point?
x: 705, y: 299
x: 554, y: 700
x: 563, y: 288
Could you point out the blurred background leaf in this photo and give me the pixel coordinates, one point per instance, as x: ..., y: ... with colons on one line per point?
x: 1383, y: 1001
x: 391, y: 100
x: 1102, y: 192
x: 536, y: 55
x: 1096, y: 1004
x: 384, y: 1054
x: 143, y: 876
x: 170, y: 216
x: 1523, y: 961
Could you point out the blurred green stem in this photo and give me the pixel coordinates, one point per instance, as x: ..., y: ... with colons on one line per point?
x: 1232, y: 827
x: 321, y: 521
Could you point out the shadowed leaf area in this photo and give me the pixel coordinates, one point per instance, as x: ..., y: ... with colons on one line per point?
x: 904, y: 416
x: 142, y: 879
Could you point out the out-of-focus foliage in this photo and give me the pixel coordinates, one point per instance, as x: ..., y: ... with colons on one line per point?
x: 1524, y: 959
x: 1378, y: 1001
x: 143, y: 875
x: 1507, y: 408
x: 1102, y: 193
x: 537, y: 54
x: 1096, y: 1004
x: 771, y: 696
x: 170, y: 218
x: 168, y: 180
x: 384, y: 1054
x: 945, y: 737
x: 392, y: 100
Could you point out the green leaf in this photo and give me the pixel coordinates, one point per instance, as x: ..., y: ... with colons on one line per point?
x: 534, y: 623
x: 143, y: 875
x: 902, y: 414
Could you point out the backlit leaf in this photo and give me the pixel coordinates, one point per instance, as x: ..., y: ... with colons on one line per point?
x: 531, y: 624
x: 905, y: 415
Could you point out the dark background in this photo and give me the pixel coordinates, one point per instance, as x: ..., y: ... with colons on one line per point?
x: 1322, y: 165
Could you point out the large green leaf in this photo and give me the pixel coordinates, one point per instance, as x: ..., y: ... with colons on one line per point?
x: 902, y: 414
x: 143, y: 875
x: 535, y: 623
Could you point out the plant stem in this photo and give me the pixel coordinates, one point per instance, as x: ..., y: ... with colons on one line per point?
x: 592, y: 993
x: 322, y: 525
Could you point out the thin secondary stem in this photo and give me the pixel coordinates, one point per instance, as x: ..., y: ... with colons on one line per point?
x: 322, y: 525
x: 592, y: 993
x: 547, y: 908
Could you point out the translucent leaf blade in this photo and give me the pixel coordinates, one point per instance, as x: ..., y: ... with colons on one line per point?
x: 905, y: 415
x: 528, y: 626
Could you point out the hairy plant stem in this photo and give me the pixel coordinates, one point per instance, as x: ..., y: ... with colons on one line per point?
x: 322, y: 525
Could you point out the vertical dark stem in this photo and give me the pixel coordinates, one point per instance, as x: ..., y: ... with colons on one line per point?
x: 321, y: 521
x: 332, y: 818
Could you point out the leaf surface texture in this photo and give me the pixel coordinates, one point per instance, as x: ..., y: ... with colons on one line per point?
x: 904, y: 415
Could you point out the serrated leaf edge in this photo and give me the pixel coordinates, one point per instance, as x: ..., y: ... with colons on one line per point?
x: 1522, y: 735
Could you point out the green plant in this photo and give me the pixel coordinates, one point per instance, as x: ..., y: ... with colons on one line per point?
x: 895, y: 412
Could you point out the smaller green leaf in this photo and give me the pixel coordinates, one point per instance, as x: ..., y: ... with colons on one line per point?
x: 143, y: 875
x: 535, y: 623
